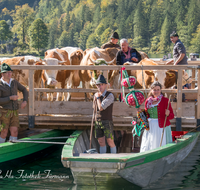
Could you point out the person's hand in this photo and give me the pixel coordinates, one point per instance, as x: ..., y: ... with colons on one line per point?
x: 134, y: 59
x: 167, y: 112
x: 169, y: 62
x: 97, y: 94
x: 23, y: 104
x: 13, y: 97
x: 139, y: 109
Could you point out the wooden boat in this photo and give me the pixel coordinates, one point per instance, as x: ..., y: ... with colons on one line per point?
x: 14, y: 155
x: 140, y: 169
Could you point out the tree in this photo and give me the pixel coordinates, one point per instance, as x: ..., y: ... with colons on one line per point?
x: 5, y: 32
x: 140, y: 31
x: 63, y: 40
x: 164, y: 37
x: 38, y: 34
x: 22, y: 19
x: 92, y: 41
x: 195, y: 46
x: 193, y: 17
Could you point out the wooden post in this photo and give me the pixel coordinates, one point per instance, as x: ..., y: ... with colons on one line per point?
x: 193, y: 76
x: 198, y: 100
x: 31, y: 117
x: 179, y: 100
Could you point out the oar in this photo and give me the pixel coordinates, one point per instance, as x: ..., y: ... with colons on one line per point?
x: 41, y: 142
x: 64, y: 137
x: 165, y: 122
x: 93, y: 116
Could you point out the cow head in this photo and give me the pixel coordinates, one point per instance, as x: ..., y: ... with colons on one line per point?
x: 155, y: 75
x: 50, y: 75
x: 76, y: 57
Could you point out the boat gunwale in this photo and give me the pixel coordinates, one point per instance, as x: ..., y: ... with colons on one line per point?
x: 148, y: 155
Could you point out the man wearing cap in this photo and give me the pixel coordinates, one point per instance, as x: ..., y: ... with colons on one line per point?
x: 113, y: 42
x: 9, y: 103
x: 127, y: 54
x: 179, y: 52
x: 104, y: 122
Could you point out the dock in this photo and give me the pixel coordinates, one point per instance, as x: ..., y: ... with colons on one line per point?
x: 77, y: 114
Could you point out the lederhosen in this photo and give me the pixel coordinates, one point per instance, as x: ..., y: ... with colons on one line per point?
x: 104, y: 122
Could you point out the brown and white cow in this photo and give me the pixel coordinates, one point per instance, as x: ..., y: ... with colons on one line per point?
x: 61, y: 75
x: 22, y: 75
x: 109, y: 55
x: 145, y: 78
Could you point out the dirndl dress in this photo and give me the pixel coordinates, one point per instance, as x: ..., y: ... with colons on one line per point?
x: 151, y: 138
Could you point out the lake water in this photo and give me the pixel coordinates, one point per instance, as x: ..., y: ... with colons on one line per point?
x: 49, y: 173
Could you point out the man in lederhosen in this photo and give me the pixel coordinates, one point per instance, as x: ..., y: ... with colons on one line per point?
x: 104, y: 123
x: 9, y: 119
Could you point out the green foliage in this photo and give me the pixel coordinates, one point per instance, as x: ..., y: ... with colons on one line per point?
x: 63, y: 40
x: 106, y: 35
x: 38, y: 34
x: 164, y: 37
x: 195, y: 45
x: 22, y: 19
x: 5, y: 32
x: 88, y: 23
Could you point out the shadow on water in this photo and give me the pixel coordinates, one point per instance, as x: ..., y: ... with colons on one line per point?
x: 49, y: 173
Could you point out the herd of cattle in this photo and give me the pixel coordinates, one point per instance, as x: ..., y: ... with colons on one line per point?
x: 72, y: 78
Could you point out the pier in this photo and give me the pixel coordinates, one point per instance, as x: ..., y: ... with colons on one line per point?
x: 77, y: 114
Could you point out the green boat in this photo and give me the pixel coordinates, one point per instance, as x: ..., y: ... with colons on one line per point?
x: 14, y: 155
x: 140, y: 169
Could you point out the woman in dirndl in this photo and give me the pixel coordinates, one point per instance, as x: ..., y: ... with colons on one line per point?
x: 156, y: 108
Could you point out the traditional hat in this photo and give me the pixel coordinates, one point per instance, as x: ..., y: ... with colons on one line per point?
x: 173, y: 34
x: 101, y: 79
x: 5, y: 68
x: 115, y: 35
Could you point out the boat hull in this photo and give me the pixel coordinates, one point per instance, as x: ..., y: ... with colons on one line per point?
x: 140, y: 169
x: 14, y: 155
x: 145, y: 174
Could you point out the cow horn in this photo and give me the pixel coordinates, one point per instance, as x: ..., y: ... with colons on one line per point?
x: 61, y: 61
x: 111, y: 61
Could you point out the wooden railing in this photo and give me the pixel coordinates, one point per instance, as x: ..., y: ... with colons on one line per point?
x: 36, y: 108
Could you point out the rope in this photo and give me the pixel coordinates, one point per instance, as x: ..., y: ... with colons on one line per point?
x: 144, y: 82
x: 40, y: 142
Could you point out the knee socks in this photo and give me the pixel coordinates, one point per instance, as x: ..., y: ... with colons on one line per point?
x: 113, y: 150
x: 102, y: 149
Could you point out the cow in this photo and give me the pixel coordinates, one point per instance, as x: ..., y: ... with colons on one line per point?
x: 22, y: 75
x: 61, y: 75
x: 70, y: 50
x: 109, y: 57
x: 67, y: 78
x: 167, y: 78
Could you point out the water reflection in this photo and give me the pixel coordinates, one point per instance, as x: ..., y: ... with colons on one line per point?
x: 184, y: 176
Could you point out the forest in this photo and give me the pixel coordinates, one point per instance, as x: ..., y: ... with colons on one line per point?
x: 45, y: 24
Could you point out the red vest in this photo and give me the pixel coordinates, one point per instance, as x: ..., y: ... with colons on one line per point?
x: 162, y: 106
